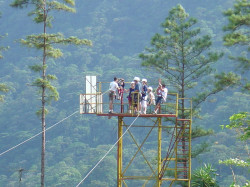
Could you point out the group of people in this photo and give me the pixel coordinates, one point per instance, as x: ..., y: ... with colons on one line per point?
x: 140, y: 95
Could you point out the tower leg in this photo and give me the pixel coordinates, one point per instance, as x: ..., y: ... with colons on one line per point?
x: 159, y: 151
x: 119, y: 153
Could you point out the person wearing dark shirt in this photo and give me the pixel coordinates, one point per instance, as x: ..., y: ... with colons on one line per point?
x: 131, y: 89
x: 144, y: 96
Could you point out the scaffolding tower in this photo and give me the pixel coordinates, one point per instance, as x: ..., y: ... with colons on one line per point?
x: 171, y: 135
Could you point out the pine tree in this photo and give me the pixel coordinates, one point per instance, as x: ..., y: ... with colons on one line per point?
x: 238, y: 33
x: 184, y: 58
x: 45, y: 42
x: 3, y: 87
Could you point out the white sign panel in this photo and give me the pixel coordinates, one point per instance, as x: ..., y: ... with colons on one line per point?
x: 90, y: 94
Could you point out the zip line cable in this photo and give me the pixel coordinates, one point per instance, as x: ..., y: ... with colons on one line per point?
x: 107, y: 152
x: 45, y: 130
x: 38, y: 134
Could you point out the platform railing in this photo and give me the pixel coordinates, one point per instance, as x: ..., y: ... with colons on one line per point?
x: 98, y: 103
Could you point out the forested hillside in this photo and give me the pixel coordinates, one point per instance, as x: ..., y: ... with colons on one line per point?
x: 119, y: 31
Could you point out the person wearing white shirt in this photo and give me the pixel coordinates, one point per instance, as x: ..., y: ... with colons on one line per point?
x: 112, y: 93
x: 162, y: 93
x: 151, y: 96
x: 144, y: 97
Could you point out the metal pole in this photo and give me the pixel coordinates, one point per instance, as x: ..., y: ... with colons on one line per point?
x: 190, y: 142
x: 159, y: 151
x: 119, y: 153
x: 176, y: 147
x: 122, y: 108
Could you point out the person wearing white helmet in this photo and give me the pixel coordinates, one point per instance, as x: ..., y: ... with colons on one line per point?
x: 144, y: 96
x: 151, y: 96
x: 137, y: 94
x: 131, y: 89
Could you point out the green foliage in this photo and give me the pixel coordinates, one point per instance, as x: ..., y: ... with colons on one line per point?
x: 247, y: 184
x: 64, y: 173
x: 61, y: 6
x: 204, y: 177
x: 221, y: 82
x: 239, y: 20
x: 40, y: 14
x: 225, y: 80
x: 3, y: 88
x: 1, y: 47
x: 235, y: 162
x: 241, y: 123
x: 47, y: 41
x: 182, y: 55
x: 201, y: 148
x: 45, y: 83
x: 199, y: 132
x: 238, y: 34
x: 119, y: 30
x: 38, y: 68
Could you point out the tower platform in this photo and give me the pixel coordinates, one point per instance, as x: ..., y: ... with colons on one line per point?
x: 168, y: 159
x: 135, y: 115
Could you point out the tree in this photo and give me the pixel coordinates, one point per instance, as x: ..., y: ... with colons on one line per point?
x: 46, y: 42
x: 204, y: 176
x: 237, y: 35
x: 241, y: 124
x: 184, y: 58
x: 3, y: 87
x: 234, y: 162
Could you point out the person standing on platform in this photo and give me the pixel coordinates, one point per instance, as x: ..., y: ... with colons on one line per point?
x: 121, y: 85
x: 137, y: 94
x: 162, y: 93
x: 112, y: 93
x: 144, y: 96
x: 151, y: 96
x: 131, y: 89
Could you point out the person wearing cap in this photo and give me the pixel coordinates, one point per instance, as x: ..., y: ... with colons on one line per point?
x: 131, y: 89
x: 162, y: 93
x: 144, y: 96
x: 112, y: 93
x: 151, y: 96
x: 137, y: 94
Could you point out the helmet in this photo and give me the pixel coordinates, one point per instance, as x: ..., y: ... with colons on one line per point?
x: 132, y: 82
x: 150, y: 88
x: 144, y: 80
x: 136, y: 79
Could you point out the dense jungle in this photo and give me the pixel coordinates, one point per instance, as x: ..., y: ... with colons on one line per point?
x: 114, y: 38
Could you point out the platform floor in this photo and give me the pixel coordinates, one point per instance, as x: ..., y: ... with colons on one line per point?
x: 135, y: 115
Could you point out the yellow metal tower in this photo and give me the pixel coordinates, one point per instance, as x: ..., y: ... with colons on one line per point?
x: 171, y: 162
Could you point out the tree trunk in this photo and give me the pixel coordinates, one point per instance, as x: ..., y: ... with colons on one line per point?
x: 43, y: 98
x: 184, y: 151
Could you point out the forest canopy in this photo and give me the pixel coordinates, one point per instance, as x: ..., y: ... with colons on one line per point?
x: 123, y: 39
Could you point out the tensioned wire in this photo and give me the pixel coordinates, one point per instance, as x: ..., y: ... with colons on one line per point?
x: 37, y: 134
x: 25, y: 141
x: 107, y: 152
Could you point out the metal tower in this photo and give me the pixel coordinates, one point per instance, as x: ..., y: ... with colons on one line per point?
x: 168, y: 136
